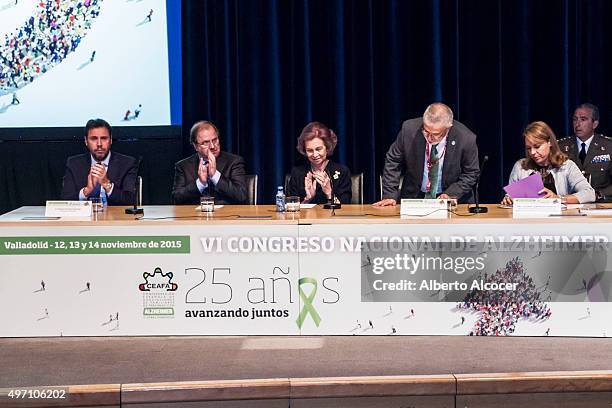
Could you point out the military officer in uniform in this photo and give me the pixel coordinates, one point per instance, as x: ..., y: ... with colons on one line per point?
x: 590, y: 151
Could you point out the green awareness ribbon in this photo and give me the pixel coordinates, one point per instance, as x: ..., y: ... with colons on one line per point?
x: 308, y: 308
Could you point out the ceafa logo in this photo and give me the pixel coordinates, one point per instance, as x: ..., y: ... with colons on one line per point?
x: 158, y: 281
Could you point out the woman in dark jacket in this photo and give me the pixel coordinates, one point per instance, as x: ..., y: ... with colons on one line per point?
x: 314, y: 182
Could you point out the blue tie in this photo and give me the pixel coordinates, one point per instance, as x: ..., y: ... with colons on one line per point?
x: 96, y: 191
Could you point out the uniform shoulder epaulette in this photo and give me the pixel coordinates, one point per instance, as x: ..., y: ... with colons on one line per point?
x: 607, y: 138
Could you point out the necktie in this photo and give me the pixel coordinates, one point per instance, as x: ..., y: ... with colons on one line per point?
x: 96, y: 191
x: 211, y: 188
x: 582, y: 154
x: 433, y: 173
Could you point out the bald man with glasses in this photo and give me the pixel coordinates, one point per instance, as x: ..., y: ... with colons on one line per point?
x: 438, y: 156
x: 210, y: 171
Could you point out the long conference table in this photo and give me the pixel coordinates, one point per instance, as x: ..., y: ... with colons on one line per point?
x: 247, y: 270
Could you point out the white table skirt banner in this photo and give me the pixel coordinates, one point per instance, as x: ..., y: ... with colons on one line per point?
x: 320, y: 279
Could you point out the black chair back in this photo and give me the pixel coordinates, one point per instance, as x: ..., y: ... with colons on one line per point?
x: 357, y: 188
x: 251, y: 182
x: 286, y: 184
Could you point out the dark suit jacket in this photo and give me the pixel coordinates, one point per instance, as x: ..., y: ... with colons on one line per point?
x: 121, y: 172
x: 231, y: 188
x: 459, y: 171
x: 600, y: 171
x: 341, y: 185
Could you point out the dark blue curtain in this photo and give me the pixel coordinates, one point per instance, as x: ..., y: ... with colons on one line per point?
x: 263, y: 69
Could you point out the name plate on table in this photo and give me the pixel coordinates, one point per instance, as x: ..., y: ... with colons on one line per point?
x: 424, y: 208
x: 67, y: 209
x: 535, y: 207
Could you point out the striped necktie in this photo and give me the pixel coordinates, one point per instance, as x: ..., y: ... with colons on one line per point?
x: 434, y: 160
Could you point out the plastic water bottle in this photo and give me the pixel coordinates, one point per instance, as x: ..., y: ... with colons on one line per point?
x: 280, y: 199
x: 103, y: 197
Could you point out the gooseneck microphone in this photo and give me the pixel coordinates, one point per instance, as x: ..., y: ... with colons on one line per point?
x: 138, y: 190
x: 331, y: 203
x: 477, y: 209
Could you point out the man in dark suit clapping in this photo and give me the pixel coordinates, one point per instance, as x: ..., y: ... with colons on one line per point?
x: 209, y: 171
x: 100, y: 173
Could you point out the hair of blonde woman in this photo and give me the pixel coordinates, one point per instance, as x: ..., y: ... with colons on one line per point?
x: 541, y: 132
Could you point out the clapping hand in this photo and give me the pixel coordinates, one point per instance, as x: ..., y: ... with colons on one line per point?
x: 98, y: 173
x: 212, y: 164
x: 91, y: 183
x: 203, y: 171
x: 323, y: 179
x: 310, y: 186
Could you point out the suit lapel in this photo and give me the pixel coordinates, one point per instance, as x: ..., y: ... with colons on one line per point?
x: 221, y: 163
x: 86, y: 163
x: 112, y: 167
x: 194, y: 163
x: 449, y: 155
x: 419, y: 147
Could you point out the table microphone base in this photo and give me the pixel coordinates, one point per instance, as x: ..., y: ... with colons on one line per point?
x: 134, y: 210
x: 478, y: 210
x: 332, y: 206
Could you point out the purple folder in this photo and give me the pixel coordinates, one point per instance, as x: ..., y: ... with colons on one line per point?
x: 526, y: 188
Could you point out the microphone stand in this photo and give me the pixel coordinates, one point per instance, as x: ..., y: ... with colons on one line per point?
x: 477, y: 209
x: 331, y: 204
x: 135, y: 209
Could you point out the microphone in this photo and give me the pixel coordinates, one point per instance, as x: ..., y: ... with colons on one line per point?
x: 477, y: 209
x: 137, y: 188
x: 331, y: 204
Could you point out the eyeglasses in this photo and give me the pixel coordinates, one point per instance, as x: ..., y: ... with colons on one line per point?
x: 434, y: 135
x: 208, y: 143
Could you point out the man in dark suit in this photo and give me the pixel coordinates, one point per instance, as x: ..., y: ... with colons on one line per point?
x: 439, y: 155
x: 590, y: 150
x: 100, y: 173
x: 210, y: 171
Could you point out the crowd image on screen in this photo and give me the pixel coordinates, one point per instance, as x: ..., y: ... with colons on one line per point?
x: 499, y: 311
x: 54, y: 30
